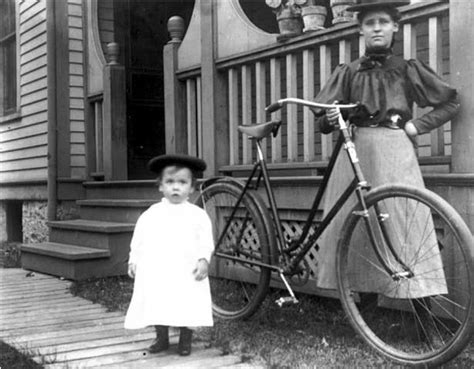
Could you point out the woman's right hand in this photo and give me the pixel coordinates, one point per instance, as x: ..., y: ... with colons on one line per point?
x: 132, y: 269
x: 332, y: 116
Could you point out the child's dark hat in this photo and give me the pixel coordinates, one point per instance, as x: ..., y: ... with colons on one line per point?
x: 158, y: 163
x: 362, y: 5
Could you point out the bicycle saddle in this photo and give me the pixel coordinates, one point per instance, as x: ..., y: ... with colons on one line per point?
x: 261, y: 130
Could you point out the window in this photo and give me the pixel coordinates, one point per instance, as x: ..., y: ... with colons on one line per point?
x: 8, y: 72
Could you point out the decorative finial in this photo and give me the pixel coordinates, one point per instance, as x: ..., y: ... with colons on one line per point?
x: 113, y: 53
x: 176, y: 28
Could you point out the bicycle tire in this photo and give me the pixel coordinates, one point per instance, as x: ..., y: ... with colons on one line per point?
x: 433, y: 320
x: 237, y: 288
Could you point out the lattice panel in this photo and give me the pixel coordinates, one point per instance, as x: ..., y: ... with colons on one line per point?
x: 249, y: 240
x: 247, y: 237
x: 292, y: 229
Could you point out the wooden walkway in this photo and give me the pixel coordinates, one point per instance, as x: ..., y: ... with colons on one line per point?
x: 38, y: 315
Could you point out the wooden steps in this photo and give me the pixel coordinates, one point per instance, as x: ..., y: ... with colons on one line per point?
x: 114, y: 210
x: 97, y: 244
x: 66, y: 251
x: 40, y: 317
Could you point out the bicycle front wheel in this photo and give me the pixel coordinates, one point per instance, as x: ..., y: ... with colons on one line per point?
x: 244, y: 244
x: 405, y: 274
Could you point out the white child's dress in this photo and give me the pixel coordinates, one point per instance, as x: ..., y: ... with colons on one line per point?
x: 167, y: 242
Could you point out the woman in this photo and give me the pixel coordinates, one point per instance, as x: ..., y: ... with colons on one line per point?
x: 386, y: 86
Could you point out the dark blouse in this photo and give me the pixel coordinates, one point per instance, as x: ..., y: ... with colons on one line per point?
x: 385, y: 86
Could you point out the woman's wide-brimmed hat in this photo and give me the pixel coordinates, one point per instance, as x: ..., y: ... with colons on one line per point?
x: 361, y: 5
x: 158, y: 163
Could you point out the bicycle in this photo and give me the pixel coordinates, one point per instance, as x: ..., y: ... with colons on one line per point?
x: 250, y: 246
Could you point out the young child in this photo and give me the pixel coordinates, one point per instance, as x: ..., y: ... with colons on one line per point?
x: 169, y: 255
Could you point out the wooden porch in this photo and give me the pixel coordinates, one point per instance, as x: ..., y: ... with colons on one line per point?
x: 226, y: 80
x: 40, y: 317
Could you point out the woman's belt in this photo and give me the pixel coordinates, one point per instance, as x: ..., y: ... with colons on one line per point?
x: 392, y: 122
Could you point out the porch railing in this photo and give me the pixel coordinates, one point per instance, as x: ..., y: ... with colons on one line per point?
x: 96, y: 139
x: 298, y: 68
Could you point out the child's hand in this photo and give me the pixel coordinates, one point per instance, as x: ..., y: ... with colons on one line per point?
x: 200, y: 272
x: 132, y: 268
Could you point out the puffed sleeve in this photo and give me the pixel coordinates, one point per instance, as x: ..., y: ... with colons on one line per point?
x: 336, y: 88
x: 428, y: 89
x: 205, y: 242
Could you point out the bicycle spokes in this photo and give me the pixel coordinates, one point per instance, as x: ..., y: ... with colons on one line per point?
x: 416, y: 269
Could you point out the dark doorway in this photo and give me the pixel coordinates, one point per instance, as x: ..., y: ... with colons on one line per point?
x: 141, y: 26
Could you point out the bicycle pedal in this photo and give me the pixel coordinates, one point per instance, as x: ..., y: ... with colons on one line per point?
x: 286, y: 300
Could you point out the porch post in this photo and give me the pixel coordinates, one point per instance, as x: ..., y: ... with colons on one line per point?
x: 114, y: 119
x: 175, y: 121
x: 215, y: 125
x: 461, y: 39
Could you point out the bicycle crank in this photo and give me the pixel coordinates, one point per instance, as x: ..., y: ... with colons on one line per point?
x: 284, y: 300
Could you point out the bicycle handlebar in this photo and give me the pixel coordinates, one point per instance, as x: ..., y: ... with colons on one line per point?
x: 292, y: 100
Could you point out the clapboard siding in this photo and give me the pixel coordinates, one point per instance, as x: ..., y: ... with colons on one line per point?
x: 33, y: 54
x: 23, y: 143
x: 34, y: 31
x: 35, y: 20
x: 22, y: 164
x: 33, y: 76
x: 37, y: 96
x: 76, y: 89
x: 33, y: 66
x: 19, y: 176
x: 23, y: 146
x: 31, y: 109
x: 29, y: 8
x: 36, y: 85
x: 31, y: 152
x: 15, y: 130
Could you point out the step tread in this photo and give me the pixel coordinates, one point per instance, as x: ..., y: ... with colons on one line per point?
x: 93, y: 225
x: 117, y: 202
x: 65, y: 251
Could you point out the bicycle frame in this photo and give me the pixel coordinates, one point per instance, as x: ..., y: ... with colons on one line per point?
x: 356, y: 185
x: 294, y: 253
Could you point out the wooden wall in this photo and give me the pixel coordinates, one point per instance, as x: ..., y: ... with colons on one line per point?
x: 76, y: 89
x: 24, y: 141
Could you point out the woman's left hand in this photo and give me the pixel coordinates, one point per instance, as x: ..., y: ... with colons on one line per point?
x: 410, y: 129
x: 411, y: 132
x: 201, y: 270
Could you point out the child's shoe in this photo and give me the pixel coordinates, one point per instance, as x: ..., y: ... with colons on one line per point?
x: 185, y: 338
x: 161, y: 343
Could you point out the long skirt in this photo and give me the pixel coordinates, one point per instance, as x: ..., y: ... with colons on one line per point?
x: 386, y: 156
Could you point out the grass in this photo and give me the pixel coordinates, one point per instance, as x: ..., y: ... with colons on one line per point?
x: 311, y: 334
x: 10, y: 255
x: 11, y: 358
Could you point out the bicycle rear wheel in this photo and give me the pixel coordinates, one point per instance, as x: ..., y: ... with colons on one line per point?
x: 420, y: 312
x: 238, y: 285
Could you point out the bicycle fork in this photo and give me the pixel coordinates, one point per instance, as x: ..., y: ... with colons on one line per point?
x: 362, y: 184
